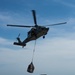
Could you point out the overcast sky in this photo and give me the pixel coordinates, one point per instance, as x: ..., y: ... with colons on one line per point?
x: 54, y: 55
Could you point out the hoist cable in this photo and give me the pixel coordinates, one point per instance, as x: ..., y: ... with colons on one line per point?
x: 34, y: 50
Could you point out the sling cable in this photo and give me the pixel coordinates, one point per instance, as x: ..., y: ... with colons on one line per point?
x: 31, y: 67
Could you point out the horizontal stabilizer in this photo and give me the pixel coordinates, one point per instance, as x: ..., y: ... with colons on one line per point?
x: 20, y: 44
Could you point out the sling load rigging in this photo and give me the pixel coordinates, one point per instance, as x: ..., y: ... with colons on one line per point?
x: 31, y: 67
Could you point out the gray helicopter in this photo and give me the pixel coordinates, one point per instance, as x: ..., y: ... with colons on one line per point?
x: 35, y: 32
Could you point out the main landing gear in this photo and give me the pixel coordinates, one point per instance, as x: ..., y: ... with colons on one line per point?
x: 43, y: 36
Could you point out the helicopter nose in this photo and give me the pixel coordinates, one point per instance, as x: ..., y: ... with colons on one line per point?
x: 47, y: 29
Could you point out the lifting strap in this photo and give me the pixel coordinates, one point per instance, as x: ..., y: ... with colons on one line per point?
x: 31, y: 67
x: 33, y: 50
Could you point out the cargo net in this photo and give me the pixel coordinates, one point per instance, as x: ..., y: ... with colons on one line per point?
x: 31, y: 67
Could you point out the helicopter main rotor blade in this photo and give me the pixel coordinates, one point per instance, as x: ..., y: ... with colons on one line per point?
x: 34, y: 17
x: 57, y: 24
x: 19, y: 26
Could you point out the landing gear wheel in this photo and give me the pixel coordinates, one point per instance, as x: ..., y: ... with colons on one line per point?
x: 43, y: 36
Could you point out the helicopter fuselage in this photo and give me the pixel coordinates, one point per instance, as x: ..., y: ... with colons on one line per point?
x: 35, y: 33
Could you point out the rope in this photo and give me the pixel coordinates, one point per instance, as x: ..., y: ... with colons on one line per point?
x: 34, y: 50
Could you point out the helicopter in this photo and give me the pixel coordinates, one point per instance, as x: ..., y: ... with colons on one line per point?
x: 35, y: 32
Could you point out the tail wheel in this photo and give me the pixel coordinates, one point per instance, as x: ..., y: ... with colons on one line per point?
x: 23, y: 45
